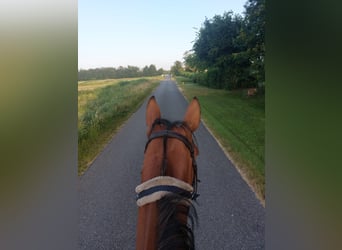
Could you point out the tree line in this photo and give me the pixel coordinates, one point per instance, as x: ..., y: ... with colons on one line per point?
x: 229, y: 50
x: 120, y: 72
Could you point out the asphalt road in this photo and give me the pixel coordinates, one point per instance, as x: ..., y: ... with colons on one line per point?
x: 230, y: 216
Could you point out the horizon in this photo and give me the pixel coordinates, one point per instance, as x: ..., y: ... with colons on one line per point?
x: 125, y: 66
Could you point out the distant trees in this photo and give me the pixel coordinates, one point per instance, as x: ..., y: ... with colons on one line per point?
x: 229, y: 50
x: 177, y: 68
x: 151, y: 71
x: 120, y: 72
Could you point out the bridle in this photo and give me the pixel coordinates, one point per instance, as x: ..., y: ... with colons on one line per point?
x: 166, y: 134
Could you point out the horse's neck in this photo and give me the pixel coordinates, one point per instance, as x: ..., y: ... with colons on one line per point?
x: 146, y: 228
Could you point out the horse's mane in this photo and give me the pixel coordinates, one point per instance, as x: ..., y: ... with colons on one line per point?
x: 172, y: 232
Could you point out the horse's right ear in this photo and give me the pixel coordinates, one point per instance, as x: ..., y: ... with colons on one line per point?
x: 152, y: 113
x: 193, y: 114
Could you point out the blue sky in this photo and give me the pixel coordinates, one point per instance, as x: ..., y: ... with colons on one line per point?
x: 139, y: 33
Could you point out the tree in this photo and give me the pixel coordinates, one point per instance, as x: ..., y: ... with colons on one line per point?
x: 215, y: 48
x: 177, y: 68
x: 120, y: 72
x: 255, y: 15
x: 229, y: 50
x: 152, y: 70
x: 145, y: 71
x: 191, y: 62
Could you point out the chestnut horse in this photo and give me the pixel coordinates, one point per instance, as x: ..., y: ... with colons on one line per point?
x: 166, y: 214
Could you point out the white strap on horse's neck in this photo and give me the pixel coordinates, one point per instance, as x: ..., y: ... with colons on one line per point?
x: 159, y: 181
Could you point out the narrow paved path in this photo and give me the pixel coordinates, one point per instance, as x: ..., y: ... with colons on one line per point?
x: 230, y: 216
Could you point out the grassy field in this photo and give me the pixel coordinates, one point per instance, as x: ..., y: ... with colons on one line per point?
x: 103, y: 106
x: 94, y: 84
x: 238, y: 122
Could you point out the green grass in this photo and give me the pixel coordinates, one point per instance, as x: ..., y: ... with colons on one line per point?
x: 238, y: 122
x: 102, y: 108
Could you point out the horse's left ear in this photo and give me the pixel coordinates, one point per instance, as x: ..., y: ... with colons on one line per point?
x: 193, y: 114
x: 152, y: 113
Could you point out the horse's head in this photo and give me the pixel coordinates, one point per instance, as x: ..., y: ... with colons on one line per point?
x: 169, y: 170
x: 178, y: 155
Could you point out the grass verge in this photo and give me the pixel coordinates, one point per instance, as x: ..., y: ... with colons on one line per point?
x: 238, y: 123
x: 103, y: 106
